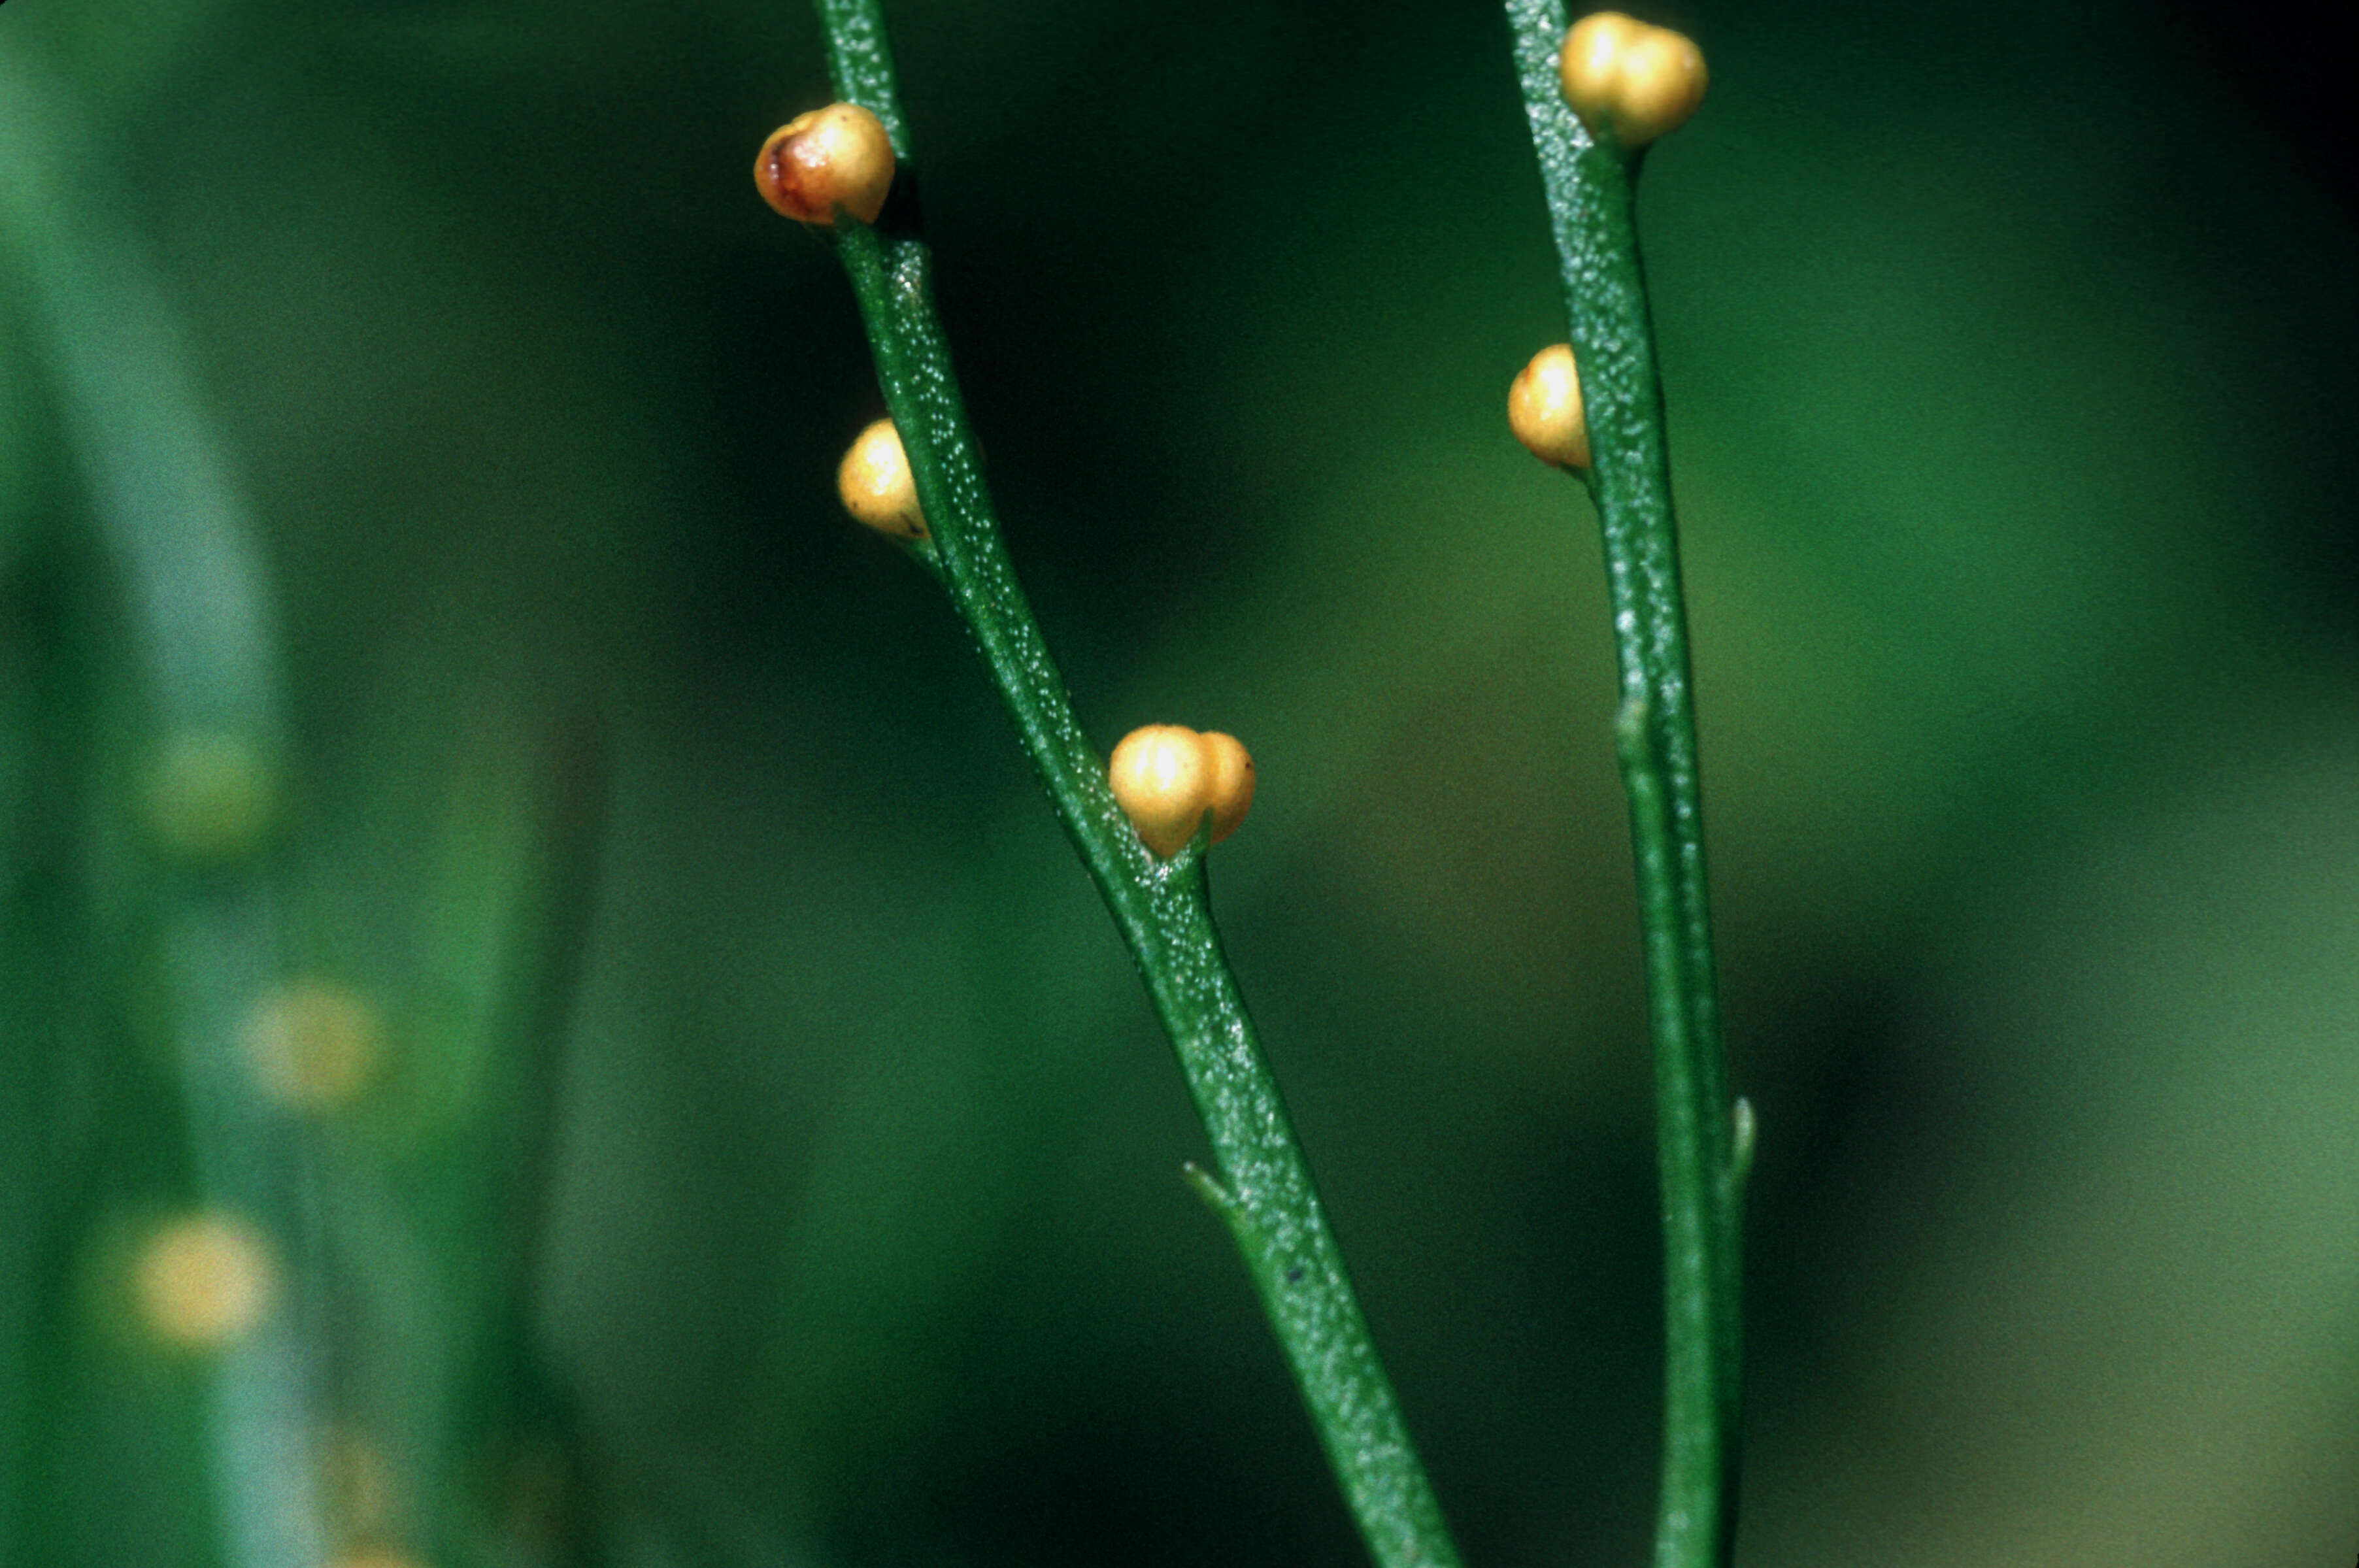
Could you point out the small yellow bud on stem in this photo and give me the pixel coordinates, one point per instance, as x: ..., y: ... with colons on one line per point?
x: 205, y: 1280
x: 831, y: 158
x: 1544, y: 409
x: 877, y: 486
x: 1166, y: 777
x: 312, y: 1045
x: 1642, y: 81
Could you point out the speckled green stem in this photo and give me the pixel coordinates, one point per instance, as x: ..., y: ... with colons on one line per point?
x: 1703, y: 1142
x: 1262, y: 1187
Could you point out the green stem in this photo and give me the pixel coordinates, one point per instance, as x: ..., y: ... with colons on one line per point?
x: 1262, y: 1190
x: 1700, y: 1146
x: 199, y: 620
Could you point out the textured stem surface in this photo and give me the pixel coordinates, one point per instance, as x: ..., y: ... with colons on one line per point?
x: 1262, y: 1187
x: 1590, y: 202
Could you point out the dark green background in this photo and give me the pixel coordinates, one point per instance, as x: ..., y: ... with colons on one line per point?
x: 2010, y: 354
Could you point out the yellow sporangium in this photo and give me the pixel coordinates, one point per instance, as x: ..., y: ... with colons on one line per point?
x: 831, y: 158
x: 1544, y: 409
x: 204, y: 1281
x: 876, y: 485
x: 1167, y: 777
x: 1640, y: 80
x: 312, y: 1045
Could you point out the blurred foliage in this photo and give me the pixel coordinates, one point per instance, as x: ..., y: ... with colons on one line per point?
x: 773, y: 1160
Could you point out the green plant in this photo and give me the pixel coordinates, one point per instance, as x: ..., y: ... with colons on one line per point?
x: 1260, y: 1185
x: 1635, y: 83
x: 261, y: 1174
x: 1703, y: 1143
x: 836, y: 1194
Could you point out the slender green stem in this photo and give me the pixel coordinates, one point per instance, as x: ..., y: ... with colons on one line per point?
x: 1263, y: 1188
x: 205, y: 648
x: 1703, y: 1143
